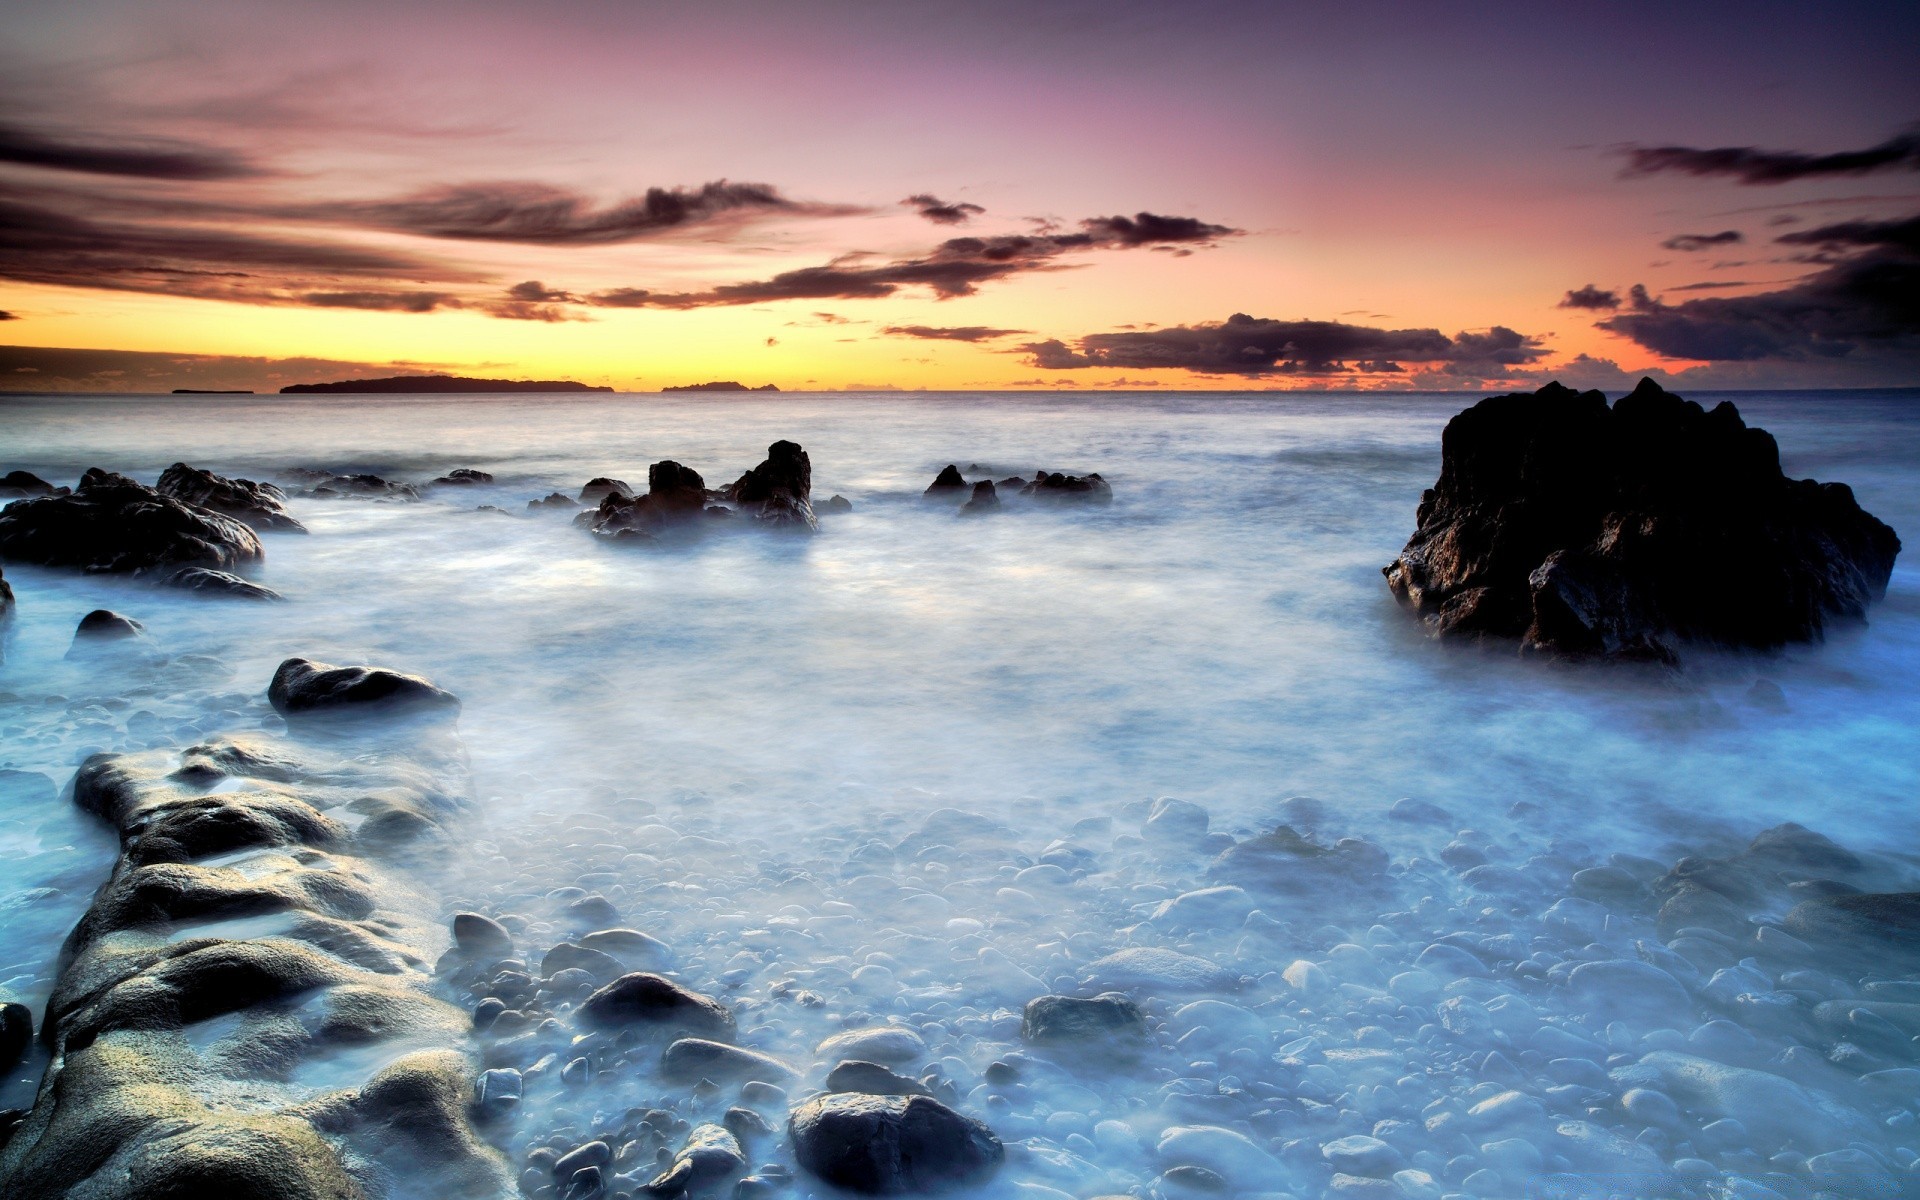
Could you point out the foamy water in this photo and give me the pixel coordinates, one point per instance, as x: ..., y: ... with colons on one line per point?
x: 692, y: 726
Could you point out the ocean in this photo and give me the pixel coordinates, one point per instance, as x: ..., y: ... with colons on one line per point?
x: 697, y: 723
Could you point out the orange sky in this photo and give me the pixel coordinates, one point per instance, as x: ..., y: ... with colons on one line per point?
x: 363, y: 185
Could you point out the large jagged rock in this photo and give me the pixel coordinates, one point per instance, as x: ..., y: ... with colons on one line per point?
x: 261, y: 505
x: 890, y: 1145
x: 219, y: 1023
x: 1627, y: 532
x: 675, y: 497
x: 15, y: 484
x: 112, y: 524
x: 778, y: 492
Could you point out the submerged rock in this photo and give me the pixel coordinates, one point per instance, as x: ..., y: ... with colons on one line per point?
x: 1625, y: 532
x: 892, y: 1044
x: 872, y: 1079
x: 1081, y: 489
x: 1053, y: 1020
x: 304, y: 687
x: 1879, y: 927
x: 600, y: 487
x: 15, y: 484
x: 220, y: 583
x: 780, y: 490
x: 710, y: 1155
x: 691, y: 1059
x: 112, y: 524
x: 362, y: 487
x: 643, y: 999
x: 948, y: 483
x: 261, y: 505
x: 984, y: 500
x: 463, y: 477
x: 105, y: 625
x: 892, y: 1145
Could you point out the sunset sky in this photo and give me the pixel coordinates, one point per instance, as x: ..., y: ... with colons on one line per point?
x: 969, y: 194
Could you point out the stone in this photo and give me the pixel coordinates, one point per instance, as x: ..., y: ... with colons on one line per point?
x: 1362, y: 1155
x: 1864, y: 928
x: 362, y: 487
x: 872, y: 1079
x: 478, y: 935
x: 569, y: 956
x: 261, y: 505
x: 1156, y: 969
x: 303, y: 687
x: 16, y: 1034
x: 210, y: 582
x: 1232, y: 1156
x: 892, y: 1145
x: 599, y: 488
x: 948, y: 482
x: 1771, y: 1107
x: 983, y: 500
x: 1623, y: 988
x: 15, y: 484
x: 778, y: 492
x: 1585, y: 531
x: 1053, y: 1020
x: 891, y: 1044
x: 103, y: 625
x: 1080, y: 489
x: 630, y: 946
x: 711, y: 1155
x: 836, y: 505
x: 1175, y: 821
x: 1285, y: 864
x: 642, y: 1000
x: 463, y: 477
x: 112, y: 524
x: 690, y: 1060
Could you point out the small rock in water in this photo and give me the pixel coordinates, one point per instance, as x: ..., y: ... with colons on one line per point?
x: 710, y: 1155
x: 872, y: 1079
x: 692, y: 1059
x: 882, y: 1044
x: 890, y: 1145
x: 983, y: 500
x: 1156, y: 969
x: 476, y: 934
x: 303, y: 687
x: 104, y: 627
x: 642, y: 999
x: 16, y: 1034
x: 1051, y: 1020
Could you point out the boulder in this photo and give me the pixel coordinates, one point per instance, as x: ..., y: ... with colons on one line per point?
x: 948, y: 483
x: 302, y: 687
x: 220, y: 583
x: 1871, y: 927
x: 710, y: 1156
x: 362, y: 487
x: 463, y: 477
x: 480, y: 935
x: 642, y: 999
x: 780, y: 490
x: 112, y: 524
x: 892, y: 1145
x: 15, y: 484
x: 261, y: 505
x: 105, y: 625
x: 552, y: 500
x: 675, y: 495
x: 690, y: 1060
x: 872, y: 1079
x: 1076, y: 489
x: 600, y: 487
x: 1283, y: 863
x: 984, y: 500
x: 1053, y: 1020
x: 1625, y: 532
x: 893, y: 1044
x: 835, y: 505
x: 16, y: 1034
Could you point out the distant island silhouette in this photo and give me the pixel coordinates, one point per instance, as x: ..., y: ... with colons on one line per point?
x: 442, y: 383
x: 720, y: 385
x: 213, y: 391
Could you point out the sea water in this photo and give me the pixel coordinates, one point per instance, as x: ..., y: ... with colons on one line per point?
x: 692, y: 728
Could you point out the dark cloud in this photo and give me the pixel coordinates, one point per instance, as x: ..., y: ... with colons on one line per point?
x: 1708, y: 286
x: 1703, y: 241
x: 134, y: 159
x: 956, y: 267
x: 1903, y: 234
x: 950, y: 333
x: 1749, y: 164
x: 1244, y: 345
x: 61, y: 369
x: 7, y: 316
x: 535, y: 292
x: 413, y: 302
x: 538, y: 214
x: 940, y: 212
x: 1868, y: 304
x: 1591, y: 297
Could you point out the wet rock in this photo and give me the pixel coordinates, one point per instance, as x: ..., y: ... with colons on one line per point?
x: 463, y: 477
x: 1283, y: 863
x: 710, y: 1156
x: 220, y: 583
x: 363, y: 487
x: 570, y: 957
x: 302, y: 687
x: 1232, y: 1156
x: 1056, y: 1020
x: 112, y: 524
x: 689, y: 1060
x: 644, y: 1000
x: 778, y: 492
x: 630, y: 946
x: 102, y: 626
x: 1077, y: 489
x: 15, y: 484
x: 1156, y: 969
x: 552, y: 500
x: 983, y: 501
x: 892, y: 1044
x: 1769, y: 1106
x: 948, y: 483
x: 1180, y: 822
x: 836, y: 505
x: 481, y: 936
x: 872, y: 1079
x: 1206, y: 908
x: 1623, y: 988
x: 600, y: 487
x: 1622, y: 533
x: 16, y: 1034
x: 892, y: 1145
x: 498, y: 1090
x: 261, y: 505
x: 1362, y: 1155
x: 1861, y: 928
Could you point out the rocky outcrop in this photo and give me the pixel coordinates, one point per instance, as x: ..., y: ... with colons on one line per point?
x: 1626, y: 532
x: 302, y: 687
x: 1074, y: 489
x: 891, y: 1145
x: 261, y: 505
x: 362, y: 487
x: 220, y: 583
x: 778, y: 492
x: 600, y: 487
x: 948, y: 483
x: 675, y: 496
x: 112, y: 524
x: 15, y: 484
x: 983, y: 501
x: 218, y: 1025
x: 463, y: 477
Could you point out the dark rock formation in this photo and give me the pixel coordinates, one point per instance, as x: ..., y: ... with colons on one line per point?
x: 984, y: 500
x: 480, y: 935
x: 891, y: 1145
x: 16, y: 1034
x: 1626, y: 532
x: 676, y: 495
x: 112, y: 524
x: 642, y: 999
x: 407, y: 385
x: 6, y: 601
x: 362, y: 487
x: 1876, y: 927
x: 1051, y: 1020
x: 690, y: 1060
x: 600, y: 487
x: 836, y: 504
x: 463, y: 477
x: 947, y: 483
x: 553, y: 500
x: 780, y: 490
x: 261, y: 505
x: 710, y: 1157
x: 15, y: 484
x: 132, y: 1110
x: 302, y: 687
x: 1079, y: 489
x: 720, y: 385
x: 872, y: 1079
x: 103, y: 625
x: 220, y: 583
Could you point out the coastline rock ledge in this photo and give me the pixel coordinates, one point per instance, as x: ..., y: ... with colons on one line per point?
x: 1625, y: 532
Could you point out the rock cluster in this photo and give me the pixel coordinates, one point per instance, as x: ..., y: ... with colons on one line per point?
x: 112, y: 524
x: 1045, y: 486
x: 776, y: 494
x: 1626, y: 532
x: 214, y: 1030
x: 261, y: 505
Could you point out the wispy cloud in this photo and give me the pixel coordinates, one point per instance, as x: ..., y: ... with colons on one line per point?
x: 1752, y: 165
x: 950, y: 333
x: 1688, y: 242
x: 141, y: 159
x: 941, y: 212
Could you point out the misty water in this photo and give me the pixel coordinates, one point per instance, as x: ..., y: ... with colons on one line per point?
x: 734, y: 741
